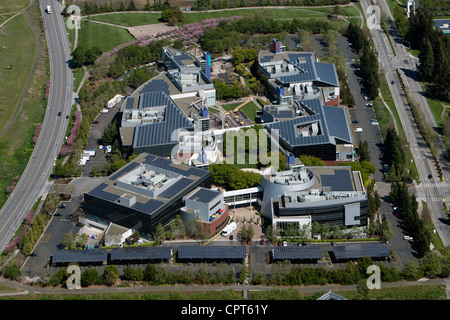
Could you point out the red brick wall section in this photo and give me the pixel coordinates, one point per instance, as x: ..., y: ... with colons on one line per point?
x: 210, y: 228
x: 334, y: 102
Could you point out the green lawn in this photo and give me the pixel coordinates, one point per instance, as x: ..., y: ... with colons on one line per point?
x: 436, y: 109
x: 230, y: 106
x: 129, y: 19
x: 105, y: 37
x: 139, y: 18
x: 250, y: 110
x: 7, y: 6
x: 17, y: 53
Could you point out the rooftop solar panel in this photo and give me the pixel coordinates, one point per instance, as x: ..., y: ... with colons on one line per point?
x: 212, y: 252
x: 204, y: 195
x: 297, y: 253
x: 100, y: 193
x: 357, y: 251
x: 121, y: 172
x: 173, y: 190
x: 81, y: 256
x: 339, y: 181
x: 149, y: 207
x: 130, y: 103
x: 141, y: 253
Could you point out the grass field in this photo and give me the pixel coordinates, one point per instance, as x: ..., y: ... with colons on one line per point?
x: 250, y: 110
x: 17, y: 54
x: 103, y: 36
x: 7, y: 6
x: 139, y: 18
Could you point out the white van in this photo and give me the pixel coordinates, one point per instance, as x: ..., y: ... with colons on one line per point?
x: 49, y: 10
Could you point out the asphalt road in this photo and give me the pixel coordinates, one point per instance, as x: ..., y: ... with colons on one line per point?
x: 421, y: 153
x: 35, y: 176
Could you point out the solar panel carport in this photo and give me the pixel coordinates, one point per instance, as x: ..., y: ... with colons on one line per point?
x: 211, y: 253
x: 304, y: 253
x: 92, y: 256
x: 140, y: 254
x: 357, y: 251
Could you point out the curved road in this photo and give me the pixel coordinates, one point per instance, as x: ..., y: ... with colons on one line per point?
x: 35, y: 175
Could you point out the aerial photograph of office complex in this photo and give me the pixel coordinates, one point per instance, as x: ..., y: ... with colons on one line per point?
x: 227, y: 150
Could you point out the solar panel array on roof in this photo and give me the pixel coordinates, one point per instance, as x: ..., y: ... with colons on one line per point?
x: 297, y: 253
x: 156, y: 85
x: 336, y: 126
x: 184, y: 170
x: 211, y: 252
x: 81, y: 256
x: 357, y: 251
x: 204, y: 195
x: 100, y: 193
x: 149, y: 207
x: 141, y: 253
x: 339, y: 181
x: 332, y: 124
x: 158, y: 133
x: 327, y: 73
x: 153, y: 99
x: 176, y: 188
x: 130, y: 103
x: 127, y: 169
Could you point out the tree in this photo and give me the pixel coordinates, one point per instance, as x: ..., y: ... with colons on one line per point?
x: 68, y: 240
x: 362, y: 290
x: 172, y: 15
x: 132, y: 6
x: 121, y: 6
x: 159, y: 235
x: 89, y: 277
x: 426, y: 59
x: 363, y: 151
x: 78, y: 57
x: 110, y: 275
x: 432, y: 264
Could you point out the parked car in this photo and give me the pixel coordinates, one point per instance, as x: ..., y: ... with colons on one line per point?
x: 33, y: 254
x: 407, y: 238
x: 284, y: 243
x: 261, y: 241
x: 58, y: 214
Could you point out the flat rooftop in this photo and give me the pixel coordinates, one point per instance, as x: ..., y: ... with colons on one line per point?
x: 170, y: 180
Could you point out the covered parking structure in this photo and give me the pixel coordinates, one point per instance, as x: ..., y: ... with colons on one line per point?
x: 304, y: 254
x: 375, y: 251
x: 82, y: 257
x: 140, y: 254
x: 211, y: 253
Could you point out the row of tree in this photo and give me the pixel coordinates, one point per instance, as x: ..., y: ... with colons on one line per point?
x: 434, y: 55
x: 368, y: 60
x: 414, y: 224
x: 91, y: 7
x: 430, y: 265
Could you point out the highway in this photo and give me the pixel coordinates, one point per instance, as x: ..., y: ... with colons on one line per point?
x: 35, y: 176
x: 406, y: 64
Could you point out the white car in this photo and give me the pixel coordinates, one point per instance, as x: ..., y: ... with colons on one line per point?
x: 49, y: 9
x: 374, y: 122
x: 284, y: 243
x: 407, y: 238
x: 358, y: 130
